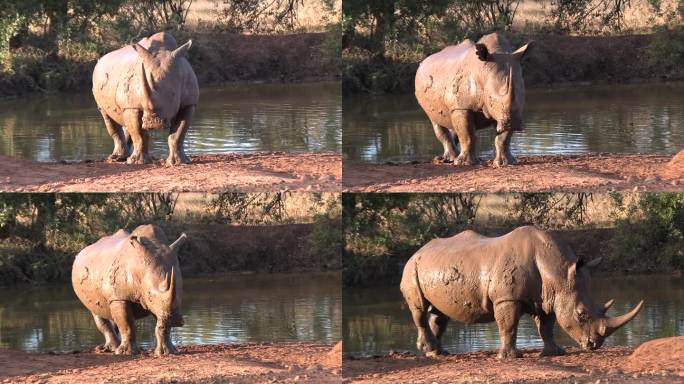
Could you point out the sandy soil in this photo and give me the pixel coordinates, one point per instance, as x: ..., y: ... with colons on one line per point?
x: 248, y: 363
x: 610, y: 364
x: 208, y: 173
x: 591, y: 172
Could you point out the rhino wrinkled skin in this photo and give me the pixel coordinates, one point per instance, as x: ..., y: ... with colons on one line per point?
x: 144, y: 86
x: 471, y: 86
x: 128, y: 276
x: 476, y: 279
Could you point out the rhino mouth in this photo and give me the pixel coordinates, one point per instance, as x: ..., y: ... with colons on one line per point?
x: 151, y: 120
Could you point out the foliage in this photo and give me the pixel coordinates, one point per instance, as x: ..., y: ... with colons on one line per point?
x: 550, y: 210
x: 382, y: 231
x: 259, y: 16
x: 650, y: 237
x: 248, y: 208
x: 667, y: 47
x: 588, y: 15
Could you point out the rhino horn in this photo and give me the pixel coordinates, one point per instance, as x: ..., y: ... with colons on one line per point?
x: 607, y: 306
x: 508, y: 96
x: 179, y: 242
x: 146, y: 96
x: 180, y: 51
x: 612, y: 324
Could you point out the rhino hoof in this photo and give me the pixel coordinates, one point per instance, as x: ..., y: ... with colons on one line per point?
x: 465, y: 160
x: 125, y: 350
x: 552, y: 351
x: 166, y: 350
x: 509, y: 354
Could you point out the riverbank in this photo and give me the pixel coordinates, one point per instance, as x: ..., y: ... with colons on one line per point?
x: 588, y: 172
x: 261, y: 172
x: 216, y: 57
x: 236, y: 363
x: 553, y: 60
x: 657, y: 361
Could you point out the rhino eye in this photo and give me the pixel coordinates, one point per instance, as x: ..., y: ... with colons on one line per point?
x: 582, y: 315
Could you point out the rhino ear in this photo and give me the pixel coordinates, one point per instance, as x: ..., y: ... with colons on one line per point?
x: 481, y: 51
x: 520, y: 53
x: 134, y: 240
x: 182, y: 50
x: 143, y: 53
x: 572, y: 273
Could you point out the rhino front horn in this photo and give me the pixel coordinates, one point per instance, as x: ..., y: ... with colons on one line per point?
x: 612, y: 324
x: 177, y: 244
x: 607, y: 305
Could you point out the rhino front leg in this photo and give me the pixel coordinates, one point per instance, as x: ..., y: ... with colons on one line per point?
x: 117, y: 134
x: 111, y: 339
x: 122, y: 314
x: 502, y: 144
x: 507, y: 314
x: 163, y: 334
x: 133, y: 122
x: 464, y: 126
x: 176, y: 139
x: 446, y: 137
x: 545, y: 327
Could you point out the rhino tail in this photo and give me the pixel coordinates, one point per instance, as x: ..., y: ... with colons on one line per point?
x: 410, y: 287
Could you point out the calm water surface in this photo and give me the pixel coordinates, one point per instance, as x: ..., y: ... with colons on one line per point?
x: 645, y: 118
x: 376, y: 320
x: 225, y: 309
x: 235, y: 118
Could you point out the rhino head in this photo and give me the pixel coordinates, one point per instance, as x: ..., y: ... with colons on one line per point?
x: 504, y: 89
x: 161, y: 82
x: 161, y: 280
x: 586, y: 322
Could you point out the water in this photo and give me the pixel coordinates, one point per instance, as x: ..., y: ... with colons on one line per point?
x: 226, y: 309
x: 646, y: 118
x: 235, y: 118
x: 376, y: 320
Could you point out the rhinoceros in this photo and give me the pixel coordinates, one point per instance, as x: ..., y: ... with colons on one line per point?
x: 470, y: 86
x: 145, y: 86
x: 476, y: 279
x: 128, y: 276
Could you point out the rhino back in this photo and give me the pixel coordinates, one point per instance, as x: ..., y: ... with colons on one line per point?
x: 444, y: 82
x: 115, y: 82
x: 95, y: 271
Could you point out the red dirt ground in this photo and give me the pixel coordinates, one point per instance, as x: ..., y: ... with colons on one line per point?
x: 591, y: 172
x: 657, y: 361
x: 247, y: 363
x: 208, y: 173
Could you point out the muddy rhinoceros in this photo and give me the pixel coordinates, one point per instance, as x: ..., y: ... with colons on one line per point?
x: 470, y: 86
x: 144, y: 86
x: 476, y: 279
x: 128, y: 276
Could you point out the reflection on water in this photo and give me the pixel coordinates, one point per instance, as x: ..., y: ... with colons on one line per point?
x: 376, y: 320
x: 235, y: 118
x: 225, y: 309
x: 618, y: 118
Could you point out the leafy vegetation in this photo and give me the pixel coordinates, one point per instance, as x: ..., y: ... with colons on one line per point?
x: 41, y: 233
x: 635, y: 233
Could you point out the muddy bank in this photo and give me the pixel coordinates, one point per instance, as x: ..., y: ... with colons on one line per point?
x: 611, y: 364
x: 553, y: 59
x: 208, y: 173
x: 590, y: 172
x: 247, y: 363
x: 216, y: 57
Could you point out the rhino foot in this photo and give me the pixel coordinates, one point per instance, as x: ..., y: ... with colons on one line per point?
x: 110, y: 346
x: 126, y: 349
x: 437, y: 352
x: 442, y: 160
x: 165, y: 349
x: 465, y: 160
x: 509, y: 354
x: 553, y: 350
x: 139, y: 158
x: 177, y: 159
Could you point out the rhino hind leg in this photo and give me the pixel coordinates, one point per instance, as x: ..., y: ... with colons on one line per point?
x: 502, y: 143
x: 122, y: 314
x: 446, y: 137
x: 507, y: 314
x: 111, y: 339
x: 438, y: 323
x: 176, y: 139
x: 116, y: 132
x: 545, y: 325
x: 464, y: 125
x: 139, y: 136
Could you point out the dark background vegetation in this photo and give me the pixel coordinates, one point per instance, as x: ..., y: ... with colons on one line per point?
x: 40, y: 234
x: 53, y: 45
x: 641, y: 233
x: 576, y: 40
